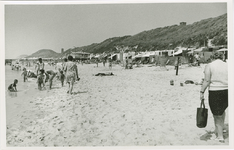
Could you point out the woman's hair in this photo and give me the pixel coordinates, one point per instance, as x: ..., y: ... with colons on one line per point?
x: 40, y: 59
x: 42, y: 71
x: 15, y: 80
x: 65, y: 59
x: 218, y: 55
x: 70, y: 58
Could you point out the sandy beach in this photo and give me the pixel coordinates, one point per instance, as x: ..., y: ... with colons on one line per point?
x: 136, y: 107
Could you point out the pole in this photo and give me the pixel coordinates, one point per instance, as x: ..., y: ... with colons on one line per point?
x: 177, y: 66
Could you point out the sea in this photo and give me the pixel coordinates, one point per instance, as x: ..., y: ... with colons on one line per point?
x: 26, y: 89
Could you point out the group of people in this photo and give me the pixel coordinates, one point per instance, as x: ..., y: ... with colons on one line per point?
x: 68, y: 72
x: 215, y: 80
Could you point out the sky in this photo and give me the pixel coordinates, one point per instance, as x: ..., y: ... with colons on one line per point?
x: 29, y: 28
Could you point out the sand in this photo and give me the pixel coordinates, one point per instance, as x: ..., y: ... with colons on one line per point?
x: 136, y: 107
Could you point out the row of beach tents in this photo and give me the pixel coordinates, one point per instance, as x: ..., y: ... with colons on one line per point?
x: 121, y: 56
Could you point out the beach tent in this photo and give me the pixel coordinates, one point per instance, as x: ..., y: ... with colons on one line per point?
x: 224, y: 50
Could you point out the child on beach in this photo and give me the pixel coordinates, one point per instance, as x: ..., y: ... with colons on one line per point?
x: 62, y: 77
x: 12, y: 87
x: 41, y: 79
x: 25, y: 73
x: 40, y: 65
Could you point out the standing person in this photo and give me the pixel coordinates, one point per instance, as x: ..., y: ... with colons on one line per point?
x: 25, y: 74
x: 97, y: 62
x: 40, y: 65
x: 104, y: 62
x: 64, y: 64
x: 110, y: 63
x: 216, y: 79
x: 41, y: 79
x: 61, y: 77
x: 126, y: 60
x: 197, y: 58
x: 71, y: 73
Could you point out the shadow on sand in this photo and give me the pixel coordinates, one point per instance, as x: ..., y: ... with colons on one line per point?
x: 79, y: 92
x: 208, y: 134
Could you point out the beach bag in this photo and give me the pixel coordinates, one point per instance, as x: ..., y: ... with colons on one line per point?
x: 202, y: 114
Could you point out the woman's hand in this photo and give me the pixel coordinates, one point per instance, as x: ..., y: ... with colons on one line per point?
x: 201, y: 95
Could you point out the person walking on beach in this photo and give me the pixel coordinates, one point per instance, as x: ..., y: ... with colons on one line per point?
x: 12, y: 87
x: 71, y: 73
x: 216, y: 79
x: 40, y: 65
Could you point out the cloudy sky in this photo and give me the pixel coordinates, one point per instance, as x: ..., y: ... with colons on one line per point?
x: 29, y: 28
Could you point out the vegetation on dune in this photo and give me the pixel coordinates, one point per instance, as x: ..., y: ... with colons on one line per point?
x: 169, y: 37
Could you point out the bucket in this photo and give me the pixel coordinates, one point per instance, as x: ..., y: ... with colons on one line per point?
x: 172, y: 82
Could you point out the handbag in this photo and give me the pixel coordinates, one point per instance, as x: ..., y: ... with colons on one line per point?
x: 202, y: 114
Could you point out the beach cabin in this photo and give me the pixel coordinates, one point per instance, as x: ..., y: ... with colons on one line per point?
x: 80, y: 55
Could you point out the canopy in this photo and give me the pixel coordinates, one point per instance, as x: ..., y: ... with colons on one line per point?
x: 178, y: 52
x: 190, y: 52
x: 222, y: 50
x: 138, y: 56
x: 97, y: 56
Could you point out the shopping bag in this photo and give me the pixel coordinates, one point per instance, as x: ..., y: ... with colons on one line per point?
x: 202, y: 114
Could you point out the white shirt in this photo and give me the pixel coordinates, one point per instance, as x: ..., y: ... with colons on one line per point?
x: 219, y: 75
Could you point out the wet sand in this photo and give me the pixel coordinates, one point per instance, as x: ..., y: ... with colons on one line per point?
x: 136, y: 107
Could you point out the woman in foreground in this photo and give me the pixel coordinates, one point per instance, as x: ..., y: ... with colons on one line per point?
x: 216, y: 79
x: 71, y: 73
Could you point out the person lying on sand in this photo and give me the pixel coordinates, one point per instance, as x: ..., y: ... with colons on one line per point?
x: 31, y: 74
x: 104, y: 74
x: 12, y: 87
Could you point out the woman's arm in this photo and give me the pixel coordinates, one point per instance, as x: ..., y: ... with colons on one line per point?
x: 206, y: 82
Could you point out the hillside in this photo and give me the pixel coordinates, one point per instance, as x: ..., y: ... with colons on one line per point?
x: 167, y: 37
x: 45, y: 53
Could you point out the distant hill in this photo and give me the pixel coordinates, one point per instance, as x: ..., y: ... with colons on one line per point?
x: 169, y: 37
x: 45, y: 53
